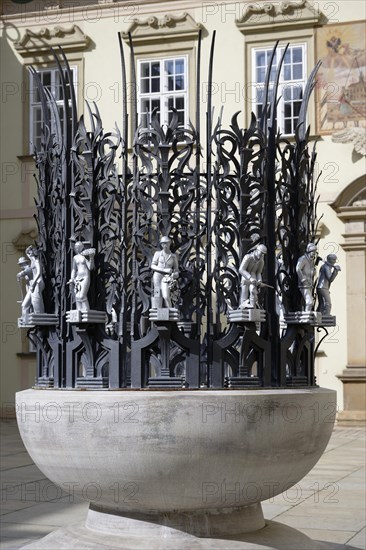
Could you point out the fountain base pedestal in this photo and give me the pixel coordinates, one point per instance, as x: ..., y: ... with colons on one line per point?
x: 104, y: 531
x: 176, y: 468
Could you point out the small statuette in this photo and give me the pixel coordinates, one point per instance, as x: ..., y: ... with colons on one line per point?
x: 32, y: 301
x: 83, y: 264
x: 166, y: 291
x: 251, y: 269
x: 327, y: 273
x: 26, y: 274
x: 305, y: 269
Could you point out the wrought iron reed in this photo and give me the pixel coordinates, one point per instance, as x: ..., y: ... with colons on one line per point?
x: 216, y: 200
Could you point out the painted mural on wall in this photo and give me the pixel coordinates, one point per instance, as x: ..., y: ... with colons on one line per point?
x: 341, y: 87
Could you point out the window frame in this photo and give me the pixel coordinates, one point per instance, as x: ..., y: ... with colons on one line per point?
x: 32, y: 105
x: 265, y: 37
x: 283, y: 83
x: 163, y: 95
x: 75, y: 60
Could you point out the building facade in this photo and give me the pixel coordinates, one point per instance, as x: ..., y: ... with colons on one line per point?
x: 165, y: 38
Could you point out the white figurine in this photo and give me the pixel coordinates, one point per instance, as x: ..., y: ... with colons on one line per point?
x: 83, y: 264
x: 31, y: 272
x: 305, y: 269
x: 26, y: 274
x: 251, y: 269
x: 327, y: 273
x: 165, y: 267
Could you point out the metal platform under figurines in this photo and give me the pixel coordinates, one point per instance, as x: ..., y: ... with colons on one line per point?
x: 164, y: 314
x: 30, y: 320
x: 89, y: 316
x: 307, y: 317
x: 246, y: 316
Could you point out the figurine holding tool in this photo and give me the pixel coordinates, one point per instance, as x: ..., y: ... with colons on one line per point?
x: 305, y: 269
x: 251, y: 269
x: 328, y: 272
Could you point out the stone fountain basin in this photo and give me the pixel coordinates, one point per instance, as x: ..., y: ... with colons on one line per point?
x: 146, y: 452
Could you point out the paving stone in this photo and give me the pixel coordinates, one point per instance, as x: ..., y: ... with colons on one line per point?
x: 50, y: 513
x: 343, y: 519
x: 16, y: 460
x: 359, y: 539
x: 25, y: 530
x: 341, y: 537
x: 10, y: 449
x: 14, y: 544
x: 271, y: 511
x: 21, y: 474
x: 42, y: 490
x: 15, y: 505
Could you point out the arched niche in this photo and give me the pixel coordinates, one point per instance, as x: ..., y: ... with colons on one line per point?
x: 350, y: 207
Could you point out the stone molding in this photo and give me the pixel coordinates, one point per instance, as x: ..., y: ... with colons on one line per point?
x: 353, y: 373
x: 350, y: 207
x: 354, y: 383
x: 34, y: 43
x: 351, y: 213
x: 259, y: 17
x: 354, y: 241
x: 352, y: 196
x: 152, y: 29
x: 25, y: 239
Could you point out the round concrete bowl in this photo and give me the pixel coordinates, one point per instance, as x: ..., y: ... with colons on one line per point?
x: 195, y: 461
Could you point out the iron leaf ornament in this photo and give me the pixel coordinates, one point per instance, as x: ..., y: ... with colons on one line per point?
x: 215, y: 201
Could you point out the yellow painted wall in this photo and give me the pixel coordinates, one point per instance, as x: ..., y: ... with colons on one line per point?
x: 101, y: 77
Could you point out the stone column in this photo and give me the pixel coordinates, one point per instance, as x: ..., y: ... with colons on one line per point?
x: 353, y: 214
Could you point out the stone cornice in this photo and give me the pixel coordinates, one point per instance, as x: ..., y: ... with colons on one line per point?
x: 348, y: 200
x: 179, y: 27
x: 34, y: 43
x: 268, y: 16
x: 66, y: 11
x: 354, y: 241
x: 351, y: 213
x: 350, y: 207
x: 353, y: 373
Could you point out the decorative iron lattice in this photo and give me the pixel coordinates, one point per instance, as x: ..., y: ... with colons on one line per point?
x: 256, y: 187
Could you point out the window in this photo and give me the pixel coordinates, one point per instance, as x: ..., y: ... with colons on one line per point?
x: 51, y: 79
x: 163, y: 85
x: 291, y: 84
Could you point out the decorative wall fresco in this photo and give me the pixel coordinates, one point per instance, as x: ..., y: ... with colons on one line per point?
x: 341, y: 89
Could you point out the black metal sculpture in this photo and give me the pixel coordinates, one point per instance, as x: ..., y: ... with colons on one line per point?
x: 256, y: 192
